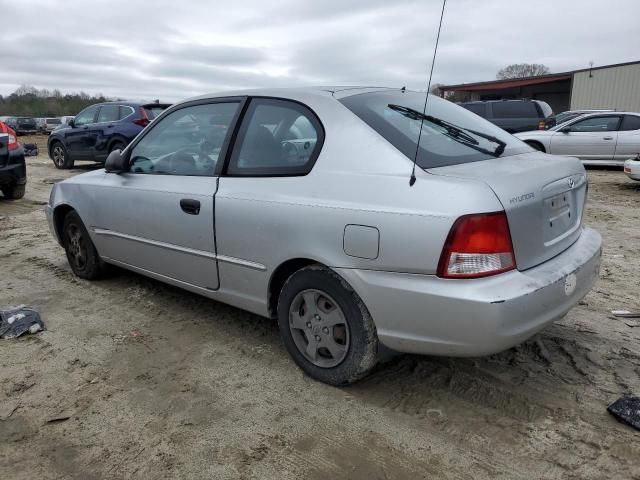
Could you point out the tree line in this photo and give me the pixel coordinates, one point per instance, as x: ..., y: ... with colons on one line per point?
x: 28, y: 101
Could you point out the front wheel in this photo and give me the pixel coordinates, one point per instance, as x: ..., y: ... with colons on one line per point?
x: 60, y: 156
x: 81, y: 252
x: 325, y: 326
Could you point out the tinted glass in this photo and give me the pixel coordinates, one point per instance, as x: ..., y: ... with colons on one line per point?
x: 185, y: 142
x: 596, y: 124
x: 451, y: 135
x: 108, y: 113
x: 153, y: 112
x: 477, y: 108
x: 277, y: 138
x: 86, y: 116
x: 630, y: 122
x: 125, y: 111
x: 565, y: 117
x: 54, y: 121
x: 514, y: 109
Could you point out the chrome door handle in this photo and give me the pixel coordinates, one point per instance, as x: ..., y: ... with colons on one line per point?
x: 607, y: 138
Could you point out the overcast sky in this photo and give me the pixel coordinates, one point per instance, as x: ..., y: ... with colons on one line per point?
x: 146, y: 49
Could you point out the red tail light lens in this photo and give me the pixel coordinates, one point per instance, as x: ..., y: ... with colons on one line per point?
x: 13, y: 138
x: 143, y: 121
x: 477, y: 246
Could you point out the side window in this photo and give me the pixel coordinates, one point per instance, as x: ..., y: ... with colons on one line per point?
x: 630, y: 122
x: 515, y: 109
x: 188, y: 141
x: 86, y: 116
x: 108, y: 113
x: 277, y: 137
x: 125, y: 111
x: 596, y: 124
x: 477, y: 108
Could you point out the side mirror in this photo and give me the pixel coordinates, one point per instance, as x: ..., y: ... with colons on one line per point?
x: 565, y: 129
x: 116, y: 162
x: 72, y: 123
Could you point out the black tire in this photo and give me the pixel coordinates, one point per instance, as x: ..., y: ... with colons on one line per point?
x: 537, y: 145
x: 117, y: 146
x: 362, y: 340
x: 81, y: 252
x: 60, y: 156
x: 13, y: 192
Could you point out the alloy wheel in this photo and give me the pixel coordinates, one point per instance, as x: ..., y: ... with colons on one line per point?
x: 58, y: 155
x: 76, y: 247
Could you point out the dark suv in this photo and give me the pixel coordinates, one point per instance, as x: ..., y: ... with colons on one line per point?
x: 13, y: 171
x: 512, y: 115
x: 98, y: 130
x: 25, y: 126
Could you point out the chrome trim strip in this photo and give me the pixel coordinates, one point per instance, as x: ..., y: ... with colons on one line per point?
x: 242, y: 263
x: 155, y: 243
x: 191, y: 251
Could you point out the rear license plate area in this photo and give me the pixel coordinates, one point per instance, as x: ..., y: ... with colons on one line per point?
x: 560, y: 215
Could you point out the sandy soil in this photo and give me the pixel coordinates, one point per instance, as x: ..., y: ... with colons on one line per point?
x: 135, y: 379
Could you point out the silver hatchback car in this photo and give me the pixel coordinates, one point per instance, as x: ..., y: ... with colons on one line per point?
x: 295, y: 204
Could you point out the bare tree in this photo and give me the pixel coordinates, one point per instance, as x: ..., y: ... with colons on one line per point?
x: 436, y: 89
x: 520, y: 70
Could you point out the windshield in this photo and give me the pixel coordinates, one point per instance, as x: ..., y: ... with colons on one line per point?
x: 451, y: 135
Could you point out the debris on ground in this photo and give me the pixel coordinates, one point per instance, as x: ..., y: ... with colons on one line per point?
x: 16, y: 321
x: 30, y: 149
x: 627, y: 410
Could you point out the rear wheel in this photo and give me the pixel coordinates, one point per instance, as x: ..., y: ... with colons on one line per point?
x: 325, y: 326
x: 81, y: 253
x: 60, y: 157
x: 13, y: 192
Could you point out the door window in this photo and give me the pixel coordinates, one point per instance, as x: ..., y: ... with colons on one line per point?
x: 188, y: 141
x: 125, y: 111
x: 108, y: 113
x: 630, y: 122
x: 596, y: 124
x: 277, y: 137
x: 86, y: 116
x: 477, y: 108
x: 514, y: 109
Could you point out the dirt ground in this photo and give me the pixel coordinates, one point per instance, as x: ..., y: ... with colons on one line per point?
x: 136, y: 379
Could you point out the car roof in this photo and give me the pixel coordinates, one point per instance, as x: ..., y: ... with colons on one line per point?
x: 287, y: 92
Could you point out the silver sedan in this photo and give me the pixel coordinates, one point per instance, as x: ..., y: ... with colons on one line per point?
x: 296, y: 205
x: 597, y: 138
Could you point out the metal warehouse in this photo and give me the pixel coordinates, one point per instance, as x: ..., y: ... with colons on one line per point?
x: 607, y: 87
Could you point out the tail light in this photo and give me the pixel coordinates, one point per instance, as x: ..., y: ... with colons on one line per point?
x: 13, y: 139
x: 143, y: 121
x: 478, y: 245
x: 541, y: 125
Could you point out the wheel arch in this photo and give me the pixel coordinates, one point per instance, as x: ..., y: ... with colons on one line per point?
x: 280, y: 276
x: 537, y: 145
x: 59, y: 213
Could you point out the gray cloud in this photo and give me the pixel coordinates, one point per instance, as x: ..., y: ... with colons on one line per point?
x: 163, y: 49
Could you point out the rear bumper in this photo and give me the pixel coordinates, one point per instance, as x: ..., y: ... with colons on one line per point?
x: 14, y: 171
x: 429, y: 315
x: 632, y: 169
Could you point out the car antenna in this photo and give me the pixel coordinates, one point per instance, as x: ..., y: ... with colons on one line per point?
x: 412, y: 180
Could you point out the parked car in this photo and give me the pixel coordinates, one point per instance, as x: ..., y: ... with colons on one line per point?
x: 297, y: 205
x: 98, y: 130
x: 596, y: 138
x: 512, y: 115
x: 563, y: 117
x: 26, y: 126
x: 49, y: 125
x: 632, y: 168
x: 13, y: 170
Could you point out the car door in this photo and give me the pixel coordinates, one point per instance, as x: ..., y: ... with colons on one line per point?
x: 591, y: 138
x: 159, y: 216
x: 76, y: 138
x: 277, y: 144
x: 101, y: 132
x: 628, y: 144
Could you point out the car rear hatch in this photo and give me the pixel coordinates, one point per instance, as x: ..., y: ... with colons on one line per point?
x: 152, y: 110
x: 543, y: 197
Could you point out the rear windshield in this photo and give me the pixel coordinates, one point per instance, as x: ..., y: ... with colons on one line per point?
x: 53, y: 121
x: 26, y: 121
x: 451, y: 135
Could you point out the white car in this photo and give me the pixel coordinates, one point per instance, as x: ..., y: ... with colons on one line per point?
x: 596, y: 138
x: 632, y: 168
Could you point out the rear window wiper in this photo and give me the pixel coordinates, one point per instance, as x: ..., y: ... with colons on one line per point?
x: 459, y: 134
